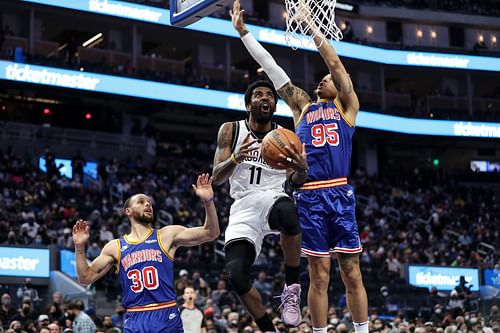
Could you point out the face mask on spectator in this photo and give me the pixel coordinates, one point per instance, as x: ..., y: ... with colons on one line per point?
x: 438, y: 311
x: 473, y: 320
x: 334, y: 321
x: 6, y: 301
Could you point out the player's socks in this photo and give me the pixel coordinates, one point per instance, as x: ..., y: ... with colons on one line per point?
x: 319, y: 330
x: 291, y: 274
x: 361, y: 327
x: 265, y: 323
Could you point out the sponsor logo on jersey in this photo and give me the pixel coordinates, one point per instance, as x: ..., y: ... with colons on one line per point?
x: 149, y: 241
x: 124, y: 248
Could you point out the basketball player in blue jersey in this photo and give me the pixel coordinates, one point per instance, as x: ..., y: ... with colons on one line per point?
x: 325, y: 201
x: 260, y: 205
x: 144, y: 261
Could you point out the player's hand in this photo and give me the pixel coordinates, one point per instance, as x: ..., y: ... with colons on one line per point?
x: 237, y: 18
x: 246, y: 148
x: 80, y: 234
x: 295, y: 158
x: 203, y: 188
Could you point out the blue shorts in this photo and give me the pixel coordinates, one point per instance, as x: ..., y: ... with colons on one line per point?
x: 166, y: 320
x: 328, y: 220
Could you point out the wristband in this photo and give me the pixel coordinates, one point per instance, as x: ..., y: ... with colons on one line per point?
x: 233, y: 159
x: 208, y: 201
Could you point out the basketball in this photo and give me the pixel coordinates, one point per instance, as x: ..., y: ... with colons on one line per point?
x: 274, y: 144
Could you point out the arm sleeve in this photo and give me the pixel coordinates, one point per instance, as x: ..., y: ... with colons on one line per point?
x: 266, y: 61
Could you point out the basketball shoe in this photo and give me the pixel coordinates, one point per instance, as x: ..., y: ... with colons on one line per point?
x: 290, y: 301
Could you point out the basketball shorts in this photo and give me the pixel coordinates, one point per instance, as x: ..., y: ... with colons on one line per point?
x: 166, y: 320
x: 328, y: 220
x: 248, y: 218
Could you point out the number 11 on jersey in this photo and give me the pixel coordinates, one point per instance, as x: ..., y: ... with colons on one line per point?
x: 255, y: 173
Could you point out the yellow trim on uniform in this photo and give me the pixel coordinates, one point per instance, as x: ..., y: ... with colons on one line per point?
x: 152, y: 307
x: 139, y: 241
x: 162, y: 247
x: 304, y: 110
x: 317, y: 184
x: 341, y: 110
x: 118, y: 255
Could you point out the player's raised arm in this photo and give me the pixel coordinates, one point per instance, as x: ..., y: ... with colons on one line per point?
x: 295, y: 97
x: 339, y: 74
x: 88, y: 274
x: 182, y: 236
x: 225, y: 159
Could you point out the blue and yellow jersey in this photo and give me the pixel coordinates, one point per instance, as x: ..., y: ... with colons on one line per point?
x: 327, y: 135
x: 146, y: 274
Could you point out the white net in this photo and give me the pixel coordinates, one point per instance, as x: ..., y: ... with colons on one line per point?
x: 310, y: 18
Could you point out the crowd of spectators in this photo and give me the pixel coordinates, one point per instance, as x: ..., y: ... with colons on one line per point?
x: 482, y: 7
x: 420, y: 217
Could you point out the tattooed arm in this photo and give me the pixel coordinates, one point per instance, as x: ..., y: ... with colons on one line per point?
x: 295, y: 98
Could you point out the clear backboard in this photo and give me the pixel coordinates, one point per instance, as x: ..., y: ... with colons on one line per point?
x: 185, y: 12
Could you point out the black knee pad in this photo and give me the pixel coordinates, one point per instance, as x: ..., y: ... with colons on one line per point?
x: 284, y: 217
x: 239, y: 259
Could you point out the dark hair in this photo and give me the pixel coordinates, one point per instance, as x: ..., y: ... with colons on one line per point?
x: 256, y: 84
x: 73, y: 305
x: 126, y: 204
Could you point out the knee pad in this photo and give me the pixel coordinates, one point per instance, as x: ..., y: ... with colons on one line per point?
x: 284, y: 217
x: 239, y: 278
x: 239, y: 259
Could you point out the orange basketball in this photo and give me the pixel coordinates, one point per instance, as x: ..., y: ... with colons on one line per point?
x: 274, y: 144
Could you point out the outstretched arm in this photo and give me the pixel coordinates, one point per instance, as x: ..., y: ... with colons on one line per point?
x: 88, y: 274
x: 340, y: 77
x: 182, y: 236
x: 295, y: 97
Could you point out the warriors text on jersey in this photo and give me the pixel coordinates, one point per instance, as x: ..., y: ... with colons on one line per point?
x: 327, y: 135
x: 146, y: 274
x: 252, y: 174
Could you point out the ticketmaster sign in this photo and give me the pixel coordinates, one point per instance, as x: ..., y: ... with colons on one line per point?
x: 24, y: 262
x: 217, y: 26
x: 443, y: 278
x: 225, y: 100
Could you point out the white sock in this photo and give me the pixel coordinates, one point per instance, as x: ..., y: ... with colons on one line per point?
x: 361, y: 327
x: 319, y: 330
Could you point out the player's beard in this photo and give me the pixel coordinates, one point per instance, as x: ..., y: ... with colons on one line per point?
x: 261, y: 117
x: 142, y: 218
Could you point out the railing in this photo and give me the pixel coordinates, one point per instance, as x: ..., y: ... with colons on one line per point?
x: 13, y: 131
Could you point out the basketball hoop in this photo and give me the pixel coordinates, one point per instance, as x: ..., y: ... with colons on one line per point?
x: 308, y: 18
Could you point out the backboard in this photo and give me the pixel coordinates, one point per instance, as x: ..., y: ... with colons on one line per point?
x: 185, y: 12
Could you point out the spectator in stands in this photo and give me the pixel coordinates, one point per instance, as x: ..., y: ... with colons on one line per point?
x: 182, y: 282
x: 93, y: 251
x: 43, y: 321
x: 263, y: 287
x: 28, y: 292
x: 107, y: 322
x: 118, y: 316
x: 15, y: 326
x: 82, y: 323
x: 221, y: 296
x: 77, y: 163
x: 25, y: 313
x: 6, y: 310
x: 54, y: 328
x: 192, y: 317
